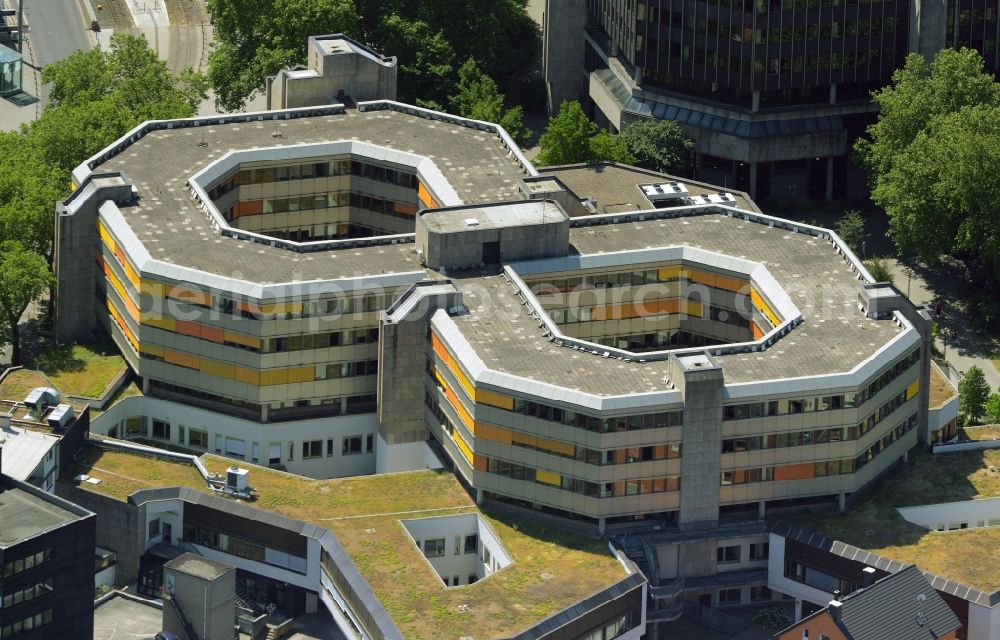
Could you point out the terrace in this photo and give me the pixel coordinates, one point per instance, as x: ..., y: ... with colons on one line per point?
x: 941, y: 388
x: 967, y: 556
x: 551, y: 569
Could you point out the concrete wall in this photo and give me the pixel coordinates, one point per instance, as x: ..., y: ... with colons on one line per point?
x: 702, y: 389
x: 118, y: 529
x: 563, y: 26
x: 210, y: 606
x: 464, y: 249
x: 264, y: 435
x: 983, y: 623
x: 953, y: 515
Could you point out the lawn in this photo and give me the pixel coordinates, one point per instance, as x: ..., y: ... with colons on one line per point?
x: 941, y: 388
x: 18, y: 383
x: 968, y: 556
x: 122, y: 474
x: 552, y: 569
x: 981, y: 433
x: 81, y: 369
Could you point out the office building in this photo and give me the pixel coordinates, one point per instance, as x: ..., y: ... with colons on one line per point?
x: 773, y: 92
x: 46, y: 564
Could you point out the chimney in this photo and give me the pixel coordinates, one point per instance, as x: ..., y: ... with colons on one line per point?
x: 868, y: 577
x: 834, y: 608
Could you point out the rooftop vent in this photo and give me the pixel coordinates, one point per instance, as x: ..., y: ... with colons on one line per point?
x: 61, y: 416
x: 41, y: 398
x: 664, y: 194
x: 237, y: 479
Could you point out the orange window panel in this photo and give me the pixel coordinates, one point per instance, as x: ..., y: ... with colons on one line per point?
x: 212, y: 334
x: 703, y: 277
x: 192, y: 329
x: 757, y: 333
x: 490, y: 432
x: 802, y: 471
x: 248, y: 208
x: 426, y: 199
x: 182, y: 359
x: 729, y: 284
x: 405, y: 209
x: 439, y: 349
x: 480, y: 463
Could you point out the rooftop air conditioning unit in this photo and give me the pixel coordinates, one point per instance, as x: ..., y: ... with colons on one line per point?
x: 237, y: 479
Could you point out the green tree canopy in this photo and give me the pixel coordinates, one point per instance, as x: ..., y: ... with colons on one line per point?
x: 973, y: 392
x: 24, y: 275
x: 932, y: 154
x: 479, y: 98
x: 570, y: 137
x: 659, y: 145
x: 256, y: 38
x: 992, y: 409
x: 851, y: 229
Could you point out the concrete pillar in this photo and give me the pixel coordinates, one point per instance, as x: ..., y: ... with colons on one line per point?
x: 755, y: 102
x: 798, y: 609
x: 264, y: 408
x: 906, y: 456
x: 842, y: 501
x: 829, y: 178
x: 480, y: 496
x: 145, y: 386
x: 752, y: 187
x: 601, y: 525
x: 833, y: 93
x: 564, y: 23
x: 761, y: 509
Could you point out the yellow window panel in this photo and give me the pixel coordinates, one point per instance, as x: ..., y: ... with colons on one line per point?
x: 151, y: 288
x: 167, y: 324
x: 913, y: 389
x: 693, y: 308
x: 463, y: 446
x: 703, y: 277
x: 557, y: 446
x: 239, y: 338
x: 273, y: 376
x: 106, y: 236
x: 248, y: 376
x: 548, y: 477
x: 152, y: 350
x: 493, y: 433
x: 301, y: 374
x: 216, y: 368
x: 495, y: 399
x: 182, y: 359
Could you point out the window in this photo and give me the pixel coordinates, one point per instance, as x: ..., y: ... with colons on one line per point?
x: 759, y: 551
x: 161, y: 429
x: 471, y: 543
x: 729, y: 554
x: 759, y: 593
x: 434, y: 548
x: 369, y: 443
x: 180, y: 434
x: 312, y: 449
x: 135, y: 426
x: 730, y: 596
x: 291, y: 451
x: 329, y: 447
x: 154, y: 528
x: 473, y: 578
x: 197, y: 438
x: 351, y: 446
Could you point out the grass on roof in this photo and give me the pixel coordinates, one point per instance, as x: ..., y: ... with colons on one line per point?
x: 966, y: 556
x: 81, y: 369
x: 17, y: 384
x: 122, y: 474
x: 552, y: 569
x: 941, y: 388
x: 973, y: 434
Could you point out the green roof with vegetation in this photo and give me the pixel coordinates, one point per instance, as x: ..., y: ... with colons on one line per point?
x: 552, y: 569
x: 81, y: 369
x: 966, y: 556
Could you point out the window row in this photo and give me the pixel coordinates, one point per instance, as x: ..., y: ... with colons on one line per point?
x: 873, y: 451
x: 349, y: 445
x: 618, y: 488
x: 773, y: 65
x: 310, y: 170
x: 774, y: 35
x: 628, y: 455
x: 28, y: 593
x: 15, y: 567
x: 315, y: 202
x: 30, y: 623
x: 588, y: 281
x: 569, y: 418
x: 325, y: 340
x: 729, y: 554
x: 242, y: 548
x: 616, y: 627
x: 802, y: 471
x: 781, y: 440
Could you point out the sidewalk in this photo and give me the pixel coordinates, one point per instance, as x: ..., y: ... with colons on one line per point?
x: 970, y: 346
x: 13, y: 115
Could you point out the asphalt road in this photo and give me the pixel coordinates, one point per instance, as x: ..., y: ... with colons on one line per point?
x: 57, y: 28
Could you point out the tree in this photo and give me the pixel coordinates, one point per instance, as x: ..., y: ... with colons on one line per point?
x: 973, y: 392
x: 992, y: 409
x: 570, y: 137
x: 24, y: 275
x: 851, y: 229
x: 773, y: 619
x: 479, y: 98
x: 879, y: 268
x: 659, y: 145
x: 256, y: 38
x: 931, y: 155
